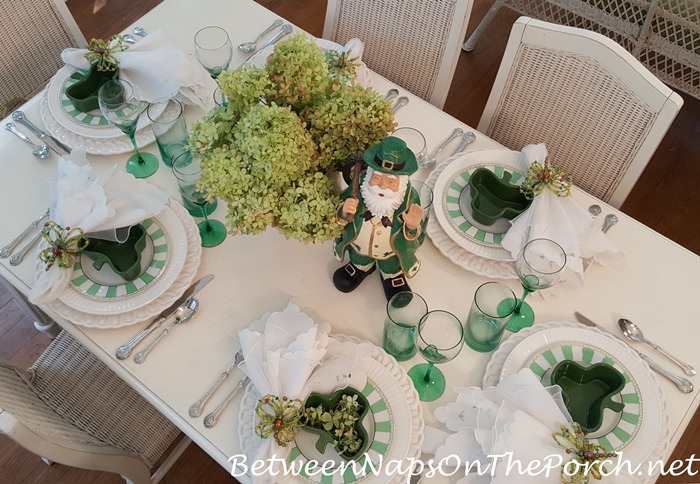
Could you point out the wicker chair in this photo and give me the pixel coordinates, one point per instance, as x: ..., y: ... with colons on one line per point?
x: 413, y: 43
x: 70, y: 408
x: 662, y: 34
x: 600, y: 112
x: 33, y: 34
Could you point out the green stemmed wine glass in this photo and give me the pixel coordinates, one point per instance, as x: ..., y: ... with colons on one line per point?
x: 439, y: 339
x: 119, y: 104
x: 539, y: 266
x: 187, y: 170
x: 213, y: 49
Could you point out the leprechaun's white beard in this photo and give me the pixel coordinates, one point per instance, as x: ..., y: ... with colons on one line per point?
x: 382, y: 202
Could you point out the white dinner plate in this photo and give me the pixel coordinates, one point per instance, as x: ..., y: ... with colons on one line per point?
x: 362, y: 75
x: 643, y: 431
x: 192, y: 260
x: 93, y: 298
x: 452, y: 208
x: 94, y: 146
x: 91, y: 124
x: 397, y: 414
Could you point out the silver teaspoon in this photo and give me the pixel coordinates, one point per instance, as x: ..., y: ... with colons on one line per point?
x: 184, y: 313
x: 252, y: 46
x: 634, y: 333
x: 595, y: 210
x: 7, y: 250
x: 610, y: 220
x: 40, y: 151
x: 197, y: 407
x: 129, y: 39
x: 211, y: 419
x: 391, y: 94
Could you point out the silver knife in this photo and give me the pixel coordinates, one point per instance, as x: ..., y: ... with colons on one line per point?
x: 50, y: 141
x: 124, y: 350
x: 683, y: 384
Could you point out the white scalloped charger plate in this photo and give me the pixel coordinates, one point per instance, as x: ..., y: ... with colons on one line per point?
x: 89, y: 125
x: 458, y: 255
x: 177, y: 251
x: 362, y: 75
x: 447, y: 201
x: 148, y: 311
x: 531, y: 346
x: 396, y: 406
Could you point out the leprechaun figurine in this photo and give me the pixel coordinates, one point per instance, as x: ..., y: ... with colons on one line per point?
x: 383, y: 223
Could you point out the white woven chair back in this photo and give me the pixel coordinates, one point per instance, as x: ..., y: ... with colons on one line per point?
x: 599, y: 111
x: 33, y: 34
x: 413, y: 43
x: 663, y: 35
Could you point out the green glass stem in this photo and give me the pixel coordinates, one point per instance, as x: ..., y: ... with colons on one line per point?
x: 206, y: 218
x: 132, y: 138
x: 428, y: 371
x: 519, y: 302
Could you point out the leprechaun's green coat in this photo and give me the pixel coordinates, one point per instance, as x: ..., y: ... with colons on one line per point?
x: 404, y: 249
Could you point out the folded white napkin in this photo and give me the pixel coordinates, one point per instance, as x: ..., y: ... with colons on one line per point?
x: 156, y: 70
x: 564, y: 221
x: 518, y: 416
x: 289, y: 355
x: 96, y: 203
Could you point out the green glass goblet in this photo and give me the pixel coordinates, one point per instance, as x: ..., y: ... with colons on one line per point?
x: 213, y: 49
x: 439, y: 339
x: 187, y: 171
x: 539, y: 266
x: 120, y: 106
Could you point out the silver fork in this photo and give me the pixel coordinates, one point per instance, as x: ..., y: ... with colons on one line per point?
x: 7, y: 250
x: 140, y: 32
x: 198, y: 406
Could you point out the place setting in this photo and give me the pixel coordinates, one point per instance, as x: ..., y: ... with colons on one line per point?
x: 113, y: 250
x: 304, y: 386
x: 483, y: 217
x: 147, y: 70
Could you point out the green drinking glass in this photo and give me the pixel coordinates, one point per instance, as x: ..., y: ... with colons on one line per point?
x: 539, y: 266
x: 187, y: 170
x: 120, y: 106
x: 439, y: 339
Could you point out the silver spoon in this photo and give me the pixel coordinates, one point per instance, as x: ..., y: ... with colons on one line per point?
x: 633, y: 333
x: 19, y: 255
x: 595, y: 210
x: 197, y: 407
x: 431, y: 160
x: 184, y: 313
x: 467, y: 139
x: 400, y: 102
x: 251, y: 46
x: 391, y: 94
x: 139, y: 31
x: 610, y: 220
x: 129, y: 39
x: 40, y: 151
x: 7, y: 250
x: 211, y: 419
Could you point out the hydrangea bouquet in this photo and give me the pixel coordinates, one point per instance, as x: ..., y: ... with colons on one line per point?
x: 286, y: 128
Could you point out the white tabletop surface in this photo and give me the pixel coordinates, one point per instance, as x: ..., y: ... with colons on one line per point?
x: 657, y: 289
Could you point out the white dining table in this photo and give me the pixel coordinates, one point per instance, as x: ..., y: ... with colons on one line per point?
x: 657, y: 288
